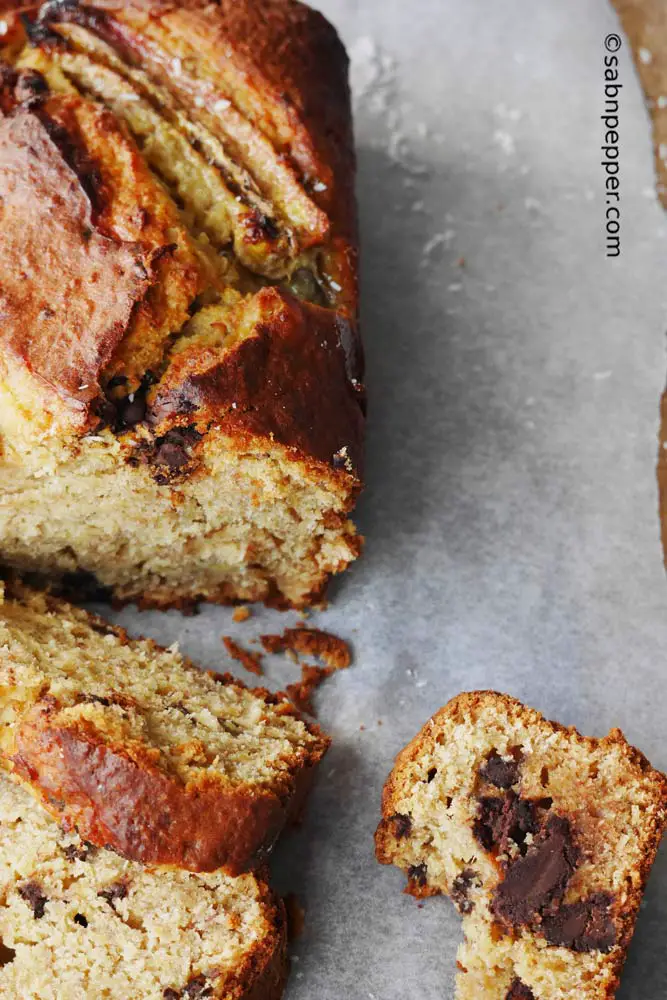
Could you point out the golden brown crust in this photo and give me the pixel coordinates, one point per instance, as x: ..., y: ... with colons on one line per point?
x: 123, y: 801
x: 283, y: 69
x: 270, y: 386
x: 468, y: 705
x: 51, y: 255
x: 120, y: 794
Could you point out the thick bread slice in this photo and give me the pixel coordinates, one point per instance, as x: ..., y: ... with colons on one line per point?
x: 138, y: 749
x: 543, y: 839
x: 80, y: 923
x: 181, y: 375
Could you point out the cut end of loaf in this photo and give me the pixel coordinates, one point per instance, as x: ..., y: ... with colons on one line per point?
x: 70, y: 909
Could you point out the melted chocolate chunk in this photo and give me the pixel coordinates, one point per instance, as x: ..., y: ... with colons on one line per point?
x: 586, y: 925
x: 417, y: 874
x: 519, y: 991
x: 171, y: 994
x: 402, y: 826
x: 117, y: 890
x: 535, y: 881
x: 504, y: 820
x: 500, y: 772
x: 461, y: 888
x: 173, y: 450
x: 33, y: 895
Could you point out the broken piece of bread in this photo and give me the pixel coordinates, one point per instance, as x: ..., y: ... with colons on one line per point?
x: 81, y: 922
x: 138, y: 749
x: 181, y: 398
x: 541, y: 837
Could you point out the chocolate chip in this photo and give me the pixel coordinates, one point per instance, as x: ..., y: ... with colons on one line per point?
x: 170, y: 994
x: 500, y: 772
x: 402, y: 826
x: 460, y: 891
x: 505, y: 819
x: 519, y: 991
x: 417, y: 874
x: 117, y: 890
x: 171, y: 454
x: 431, y: 774
x: 539, y: 878
x: 79, y: 852
x: 80, y: 920
x: 197, y: 987
x: 586, y: 925
x: 32, y: 893
x: 131, y: 411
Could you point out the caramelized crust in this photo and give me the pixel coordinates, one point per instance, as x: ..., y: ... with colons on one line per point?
x: 52, y: 255
x: 190, y: 310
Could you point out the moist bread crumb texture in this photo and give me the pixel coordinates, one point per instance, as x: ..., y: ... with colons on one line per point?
x: 78, y: 921
x: 181, y: 397
x: 542, y: 838
x: 138, y: 749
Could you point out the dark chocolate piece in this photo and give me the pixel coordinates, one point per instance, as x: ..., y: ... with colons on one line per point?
x: 32, y: 893
x: 417, y: 874
x: 117, y: 890
x: 586, y: 925
x: 500, y: 772
x: 506, y: 819
x: 402, y: 826
x: 535, y: 881
x: 461, y: 889
x: 519, y: 991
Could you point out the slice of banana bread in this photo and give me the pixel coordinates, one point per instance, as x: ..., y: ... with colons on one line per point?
x: 181, y: 398
x: 542, y: 838
x: 80, y: 923
x: 138, y: 749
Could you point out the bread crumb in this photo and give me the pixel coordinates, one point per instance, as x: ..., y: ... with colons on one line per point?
x: 241, y: 614
x: 251, y: 661
x: 301, y: 693
x: 324, y: 646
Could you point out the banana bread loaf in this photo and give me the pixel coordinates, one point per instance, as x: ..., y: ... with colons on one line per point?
x: 139, y: 750
x: 181, y: 401
x: 542, y: 838
x: 80, y: 923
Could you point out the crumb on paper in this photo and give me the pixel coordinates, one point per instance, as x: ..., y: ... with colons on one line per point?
x: 241, y: 614
x: 332, y: 650
x: 251, y: 661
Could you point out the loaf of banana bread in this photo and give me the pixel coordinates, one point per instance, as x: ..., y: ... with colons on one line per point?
x: 78, y: 922
x: 181, y: 398
x: 542, y: 838
x: 137, y: 749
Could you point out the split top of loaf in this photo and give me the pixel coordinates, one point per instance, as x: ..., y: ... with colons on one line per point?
x: 138, y: 749
x: 542, y: 838
x: 181, y: 398
x: 77, y: 921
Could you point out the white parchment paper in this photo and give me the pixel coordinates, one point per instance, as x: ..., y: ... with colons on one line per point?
x: 511, y: 514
